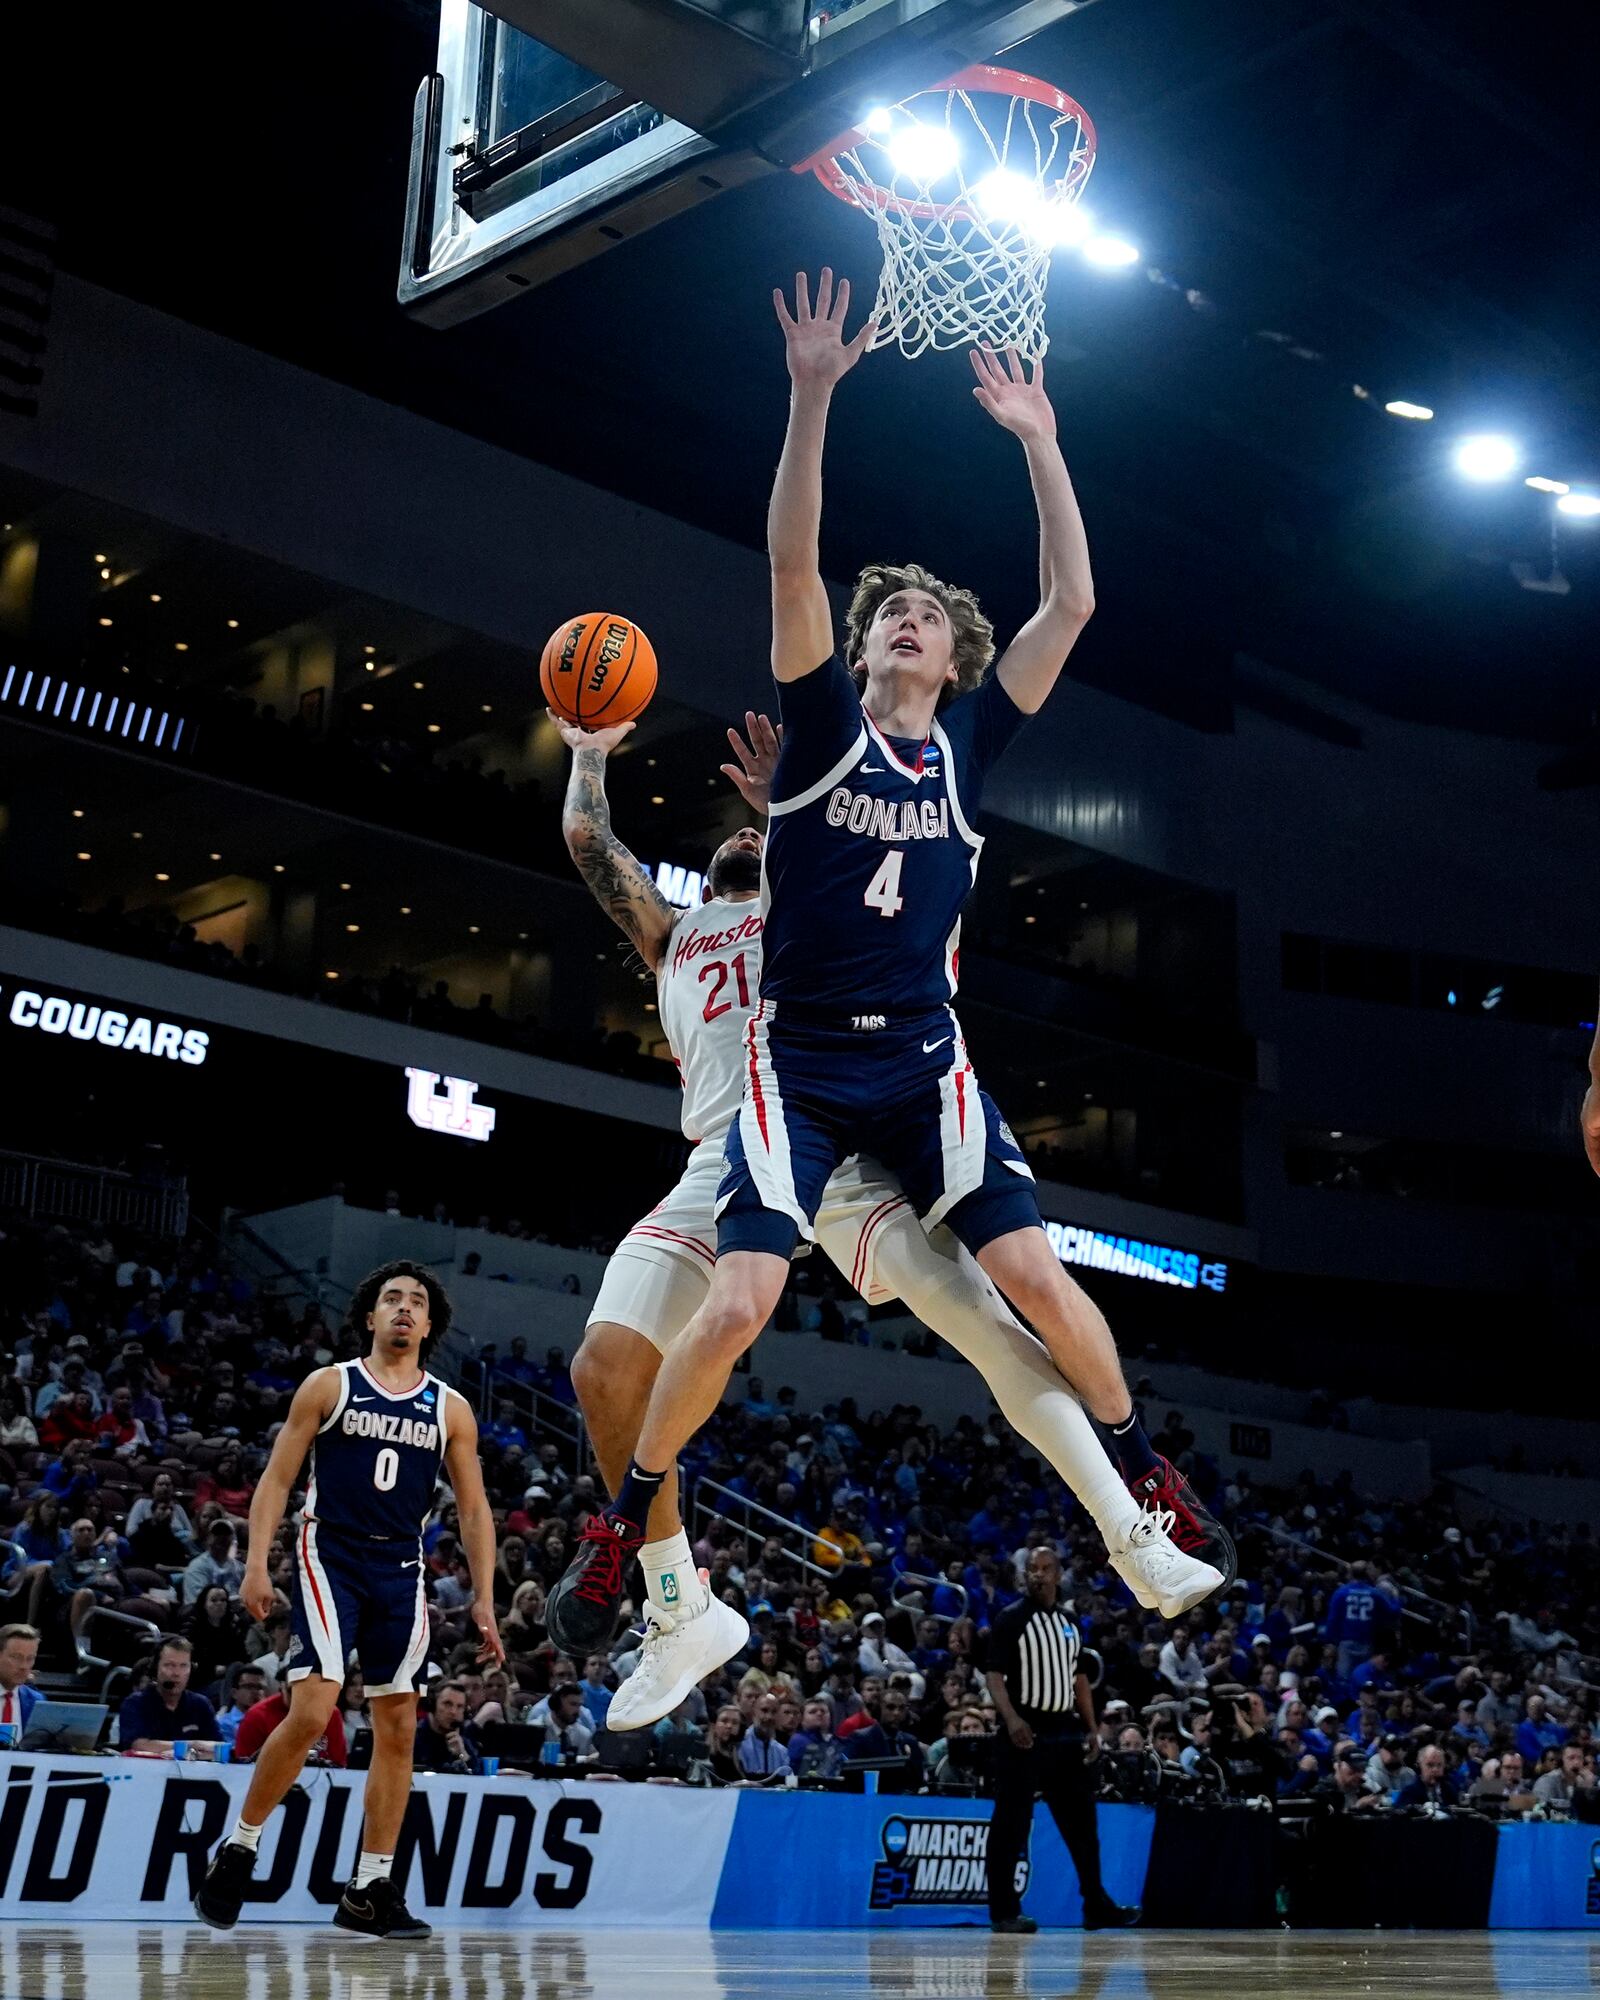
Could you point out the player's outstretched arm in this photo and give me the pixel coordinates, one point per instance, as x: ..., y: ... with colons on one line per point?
x: 1032, y: 663
x: 312, y: 1406
x: 616, y: 879
x: 477, y: 1526
x: 819, y: 356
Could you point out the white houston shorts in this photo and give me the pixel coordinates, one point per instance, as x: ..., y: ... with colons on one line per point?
x: 661, y: 1270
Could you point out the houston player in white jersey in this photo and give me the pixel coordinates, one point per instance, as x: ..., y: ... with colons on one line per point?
x: 707, y: 964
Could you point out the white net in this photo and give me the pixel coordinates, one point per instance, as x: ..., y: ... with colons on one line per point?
x: 971, y: 187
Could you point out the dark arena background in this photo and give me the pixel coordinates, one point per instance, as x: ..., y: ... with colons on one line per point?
x: 346, y: 351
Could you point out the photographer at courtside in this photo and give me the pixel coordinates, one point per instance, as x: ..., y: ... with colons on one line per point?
x: 1048, y: 1746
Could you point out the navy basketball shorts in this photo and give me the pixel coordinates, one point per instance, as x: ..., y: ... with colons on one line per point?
x: 903, y: 1090
x: 352, y: 1596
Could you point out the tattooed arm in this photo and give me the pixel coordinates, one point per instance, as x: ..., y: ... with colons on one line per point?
x: 616, y: 880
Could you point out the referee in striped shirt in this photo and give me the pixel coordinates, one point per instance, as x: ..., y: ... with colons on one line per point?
x: 1049, y: 1747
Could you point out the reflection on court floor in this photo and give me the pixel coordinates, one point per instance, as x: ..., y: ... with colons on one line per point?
x: 303, y: 1962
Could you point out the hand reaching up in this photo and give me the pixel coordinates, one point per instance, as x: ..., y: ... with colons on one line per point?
x: 757, y: 760
x: 814, y: 344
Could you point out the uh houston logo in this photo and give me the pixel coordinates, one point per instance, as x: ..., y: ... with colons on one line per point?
x: 453, y: 1112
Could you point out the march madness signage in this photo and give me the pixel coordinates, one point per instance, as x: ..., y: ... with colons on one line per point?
x: 127, y: 1839
x: 941, y: 1861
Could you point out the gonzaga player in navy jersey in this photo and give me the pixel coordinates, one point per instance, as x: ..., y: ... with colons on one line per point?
x: 377, y: 1432
x: 854, y: 1045
x: 707, y: 964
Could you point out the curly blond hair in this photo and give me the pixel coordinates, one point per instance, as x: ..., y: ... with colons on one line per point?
x: 972, y: 633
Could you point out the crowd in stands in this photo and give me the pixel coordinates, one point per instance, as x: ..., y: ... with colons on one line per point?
x: 1373, y: 1656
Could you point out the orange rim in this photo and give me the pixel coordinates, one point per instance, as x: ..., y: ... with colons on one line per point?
x: 975, y: 79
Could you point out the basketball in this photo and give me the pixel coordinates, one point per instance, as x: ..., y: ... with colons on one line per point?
x: 597, y: 670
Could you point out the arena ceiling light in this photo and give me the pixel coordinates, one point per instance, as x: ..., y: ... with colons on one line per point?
x: 1486, y: 456
x: 1581, y: 506
x: 923, y: 152
x: 1419, y: 413
x: 1542, y: 485
x: 1110, y: 253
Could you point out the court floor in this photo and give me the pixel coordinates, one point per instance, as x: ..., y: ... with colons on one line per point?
x: 89, y: 1961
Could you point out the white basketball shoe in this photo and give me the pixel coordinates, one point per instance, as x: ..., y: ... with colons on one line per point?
x: 680, y: 1648
x: 1158, y: 1572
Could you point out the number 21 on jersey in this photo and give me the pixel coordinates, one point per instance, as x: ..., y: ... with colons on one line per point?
x: 883, y: 891
x: 718, y: 968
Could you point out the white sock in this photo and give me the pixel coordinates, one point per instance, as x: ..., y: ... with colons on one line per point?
x: 671, y: 1580
x: 957, y: 1300
x: 245, y: 1835
x: 373, y: 1868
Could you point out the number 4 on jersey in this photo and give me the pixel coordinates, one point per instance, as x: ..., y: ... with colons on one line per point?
x: 883, y: 891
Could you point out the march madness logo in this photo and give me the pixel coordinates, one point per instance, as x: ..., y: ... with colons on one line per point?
x: 935, y: 1862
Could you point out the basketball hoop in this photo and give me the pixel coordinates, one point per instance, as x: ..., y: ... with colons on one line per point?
x: 971, y: 186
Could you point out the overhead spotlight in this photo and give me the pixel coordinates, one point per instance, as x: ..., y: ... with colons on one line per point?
x: 345, y: 886
x: 1007, y: 196
x: 277, y: 867
x: 155, y: 597
x: 162, y: 875
x: 180, y: 646
x: 77, y: 812
x: 105, y: 621
x: 658, y: 800
x: 1487, y: 456
x: 330, y: 975
x: 1581, y: 506
x: 369, y: 649
x: 1067, y: 225
x: 1542, y: 485
x: 419, y: 685
x: 84, y: 857
x: 878, y: 119
x: 474, y: 929
x: 434, y: 728
x: 216, y: 857
x: 352, y: 928
x: 487, y: 709
x: 1418, y: 412
x: 1111, y: 253
x: 405, y: 909
x: 924, y: 152
x: 99, y: 559
x: 105, y: 576
x: 233, y: 624
x: 366, y: 708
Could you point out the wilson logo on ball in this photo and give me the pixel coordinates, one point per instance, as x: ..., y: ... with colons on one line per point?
x: 598, y: 670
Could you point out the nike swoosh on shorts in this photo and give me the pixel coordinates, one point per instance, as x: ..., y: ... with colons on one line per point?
x: 929, y: 1047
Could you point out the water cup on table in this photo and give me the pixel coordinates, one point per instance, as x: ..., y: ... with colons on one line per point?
x: 489, y: 1766
x: 8, y: 1736
x: 550, y: 1753
x: 180, y: 1750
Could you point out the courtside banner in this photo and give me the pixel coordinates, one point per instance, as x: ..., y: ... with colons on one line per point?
x: 815, y: 1860
x: 124, y: 1839
x: 1546, y: 1878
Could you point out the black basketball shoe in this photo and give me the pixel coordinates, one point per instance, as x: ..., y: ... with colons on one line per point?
x: 221, y: 1894
x: 1193, y: 1528
x: 378, y: 1910
x: 581, y: 1611
x: 1104, y: 1915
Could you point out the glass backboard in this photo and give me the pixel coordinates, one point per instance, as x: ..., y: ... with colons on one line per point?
x: 535, y: 151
